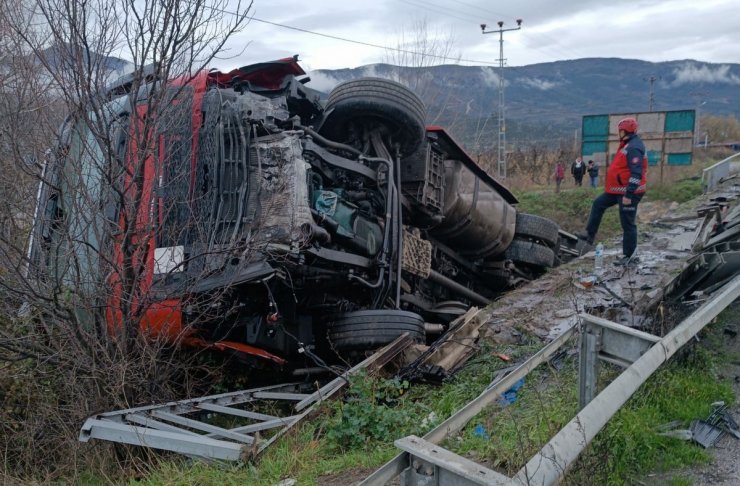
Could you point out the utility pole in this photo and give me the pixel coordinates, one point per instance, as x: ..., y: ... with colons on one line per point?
x: 698, y: 97
x: 501, y: 110
x: 651, y: 100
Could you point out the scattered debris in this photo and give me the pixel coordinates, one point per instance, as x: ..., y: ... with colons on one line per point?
x: 586, y: 282
x: 480, y: 431
x: 682, y: 434
x: 704, y: 434
x: 510, y: 395
x: 721, y: 417
x: 613, y: 294
x: 189, y: 426
x: 448, y: 353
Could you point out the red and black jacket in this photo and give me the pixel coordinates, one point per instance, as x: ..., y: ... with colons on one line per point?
x: 627, y: 174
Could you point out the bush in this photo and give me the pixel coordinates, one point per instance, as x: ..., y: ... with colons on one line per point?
x: 374, y: 410
x: 680, y: 191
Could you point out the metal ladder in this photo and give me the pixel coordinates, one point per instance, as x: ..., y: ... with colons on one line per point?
x: 220, y: 426
x: 189, y: 426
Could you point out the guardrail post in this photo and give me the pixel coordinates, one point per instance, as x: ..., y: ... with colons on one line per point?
x: 588, y: 363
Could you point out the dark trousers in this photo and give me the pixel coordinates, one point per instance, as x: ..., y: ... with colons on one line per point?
x: 627, y: 216
x: 579, y: 179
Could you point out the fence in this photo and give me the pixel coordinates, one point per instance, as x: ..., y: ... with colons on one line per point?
x: 712, y: 176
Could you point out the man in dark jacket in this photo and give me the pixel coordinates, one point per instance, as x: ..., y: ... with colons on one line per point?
x: 593, y: 173
x: 577, y: 169
x: 625, y: 185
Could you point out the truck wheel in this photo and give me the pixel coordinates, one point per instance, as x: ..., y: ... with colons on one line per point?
x: 530, y: 253
x: 537, y: 227
x: 376, y: 99
x: 373, y: 328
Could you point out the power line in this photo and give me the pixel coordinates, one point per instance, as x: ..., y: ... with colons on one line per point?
x: 433, y: 7
x: 491, y: 12
x: 368, y: 44
x: 555, y: 45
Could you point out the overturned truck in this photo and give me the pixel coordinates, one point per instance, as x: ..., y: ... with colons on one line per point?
x: 282, y: 222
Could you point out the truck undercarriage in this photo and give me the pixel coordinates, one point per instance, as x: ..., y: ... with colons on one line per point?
x: 302, y: 225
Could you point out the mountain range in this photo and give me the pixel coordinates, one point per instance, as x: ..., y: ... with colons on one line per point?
x: 545, y: 102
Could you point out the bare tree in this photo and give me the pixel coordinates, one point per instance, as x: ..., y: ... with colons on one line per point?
x: 112, y: 179
x: 419, y: 48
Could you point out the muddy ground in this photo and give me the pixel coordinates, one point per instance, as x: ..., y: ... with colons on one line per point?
x: 550, y: 304
x: 547, y: 306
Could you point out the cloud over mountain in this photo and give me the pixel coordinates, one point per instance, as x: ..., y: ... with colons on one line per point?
x: 692, y: 72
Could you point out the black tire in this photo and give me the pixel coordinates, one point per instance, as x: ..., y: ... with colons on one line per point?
x: 371, y: 329
x: 530, y: 253
x: 376, y: 99
x: 537, y: 227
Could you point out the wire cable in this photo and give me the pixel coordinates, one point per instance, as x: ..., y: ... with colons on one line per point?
x: 369, y: 44
x: 352, y: 41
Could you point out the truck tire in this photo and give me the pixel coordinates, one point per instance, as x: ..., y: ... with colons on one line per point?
x: 530, y: 253
x: 376, y: 99
x: 371, y: 329
x: 537, y: 227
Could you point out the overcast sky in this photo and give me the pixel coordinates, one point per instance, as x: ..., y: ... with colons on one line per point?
x: 652, y: 30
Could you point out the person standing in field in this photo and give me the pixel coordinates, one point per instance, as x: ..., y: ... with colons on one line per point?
x: 593, y: 173
x: 577, y: 170
x: 626, y: 182
x: 559, y: 176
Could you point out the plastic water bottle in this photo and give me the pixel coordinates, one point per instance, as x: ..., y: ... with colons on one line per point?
x: 599, y: 260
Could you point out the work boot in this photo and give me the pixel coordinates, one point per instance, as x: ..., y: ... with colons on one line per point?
x: 583, y: 247
x: 627, y: 261
x: 582, y: 235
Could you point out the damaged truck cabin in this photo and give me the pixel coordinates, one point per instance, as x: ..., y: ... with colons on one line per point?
x: 281, y: 221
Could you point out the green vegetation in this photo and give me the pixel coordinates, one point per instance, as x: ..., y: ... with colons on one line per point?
x: 357, y: 435
x: 629, y: 446
x: 371, y: 411
x: 679, y: 191
x: 378, y: 411
x: 569, y: 208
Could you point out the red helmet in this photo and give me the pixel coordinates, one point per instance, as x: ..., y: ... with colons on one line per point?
x: 628, y: 125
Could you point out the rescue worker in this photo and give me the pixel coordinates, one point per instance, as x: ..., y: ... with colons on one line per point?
x: 624, y: 185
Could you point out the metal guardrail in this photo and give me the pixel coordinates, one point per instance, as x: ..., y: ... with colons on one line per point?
x: 712, y: 176
x: 424, y: 463
x: 456, y: 422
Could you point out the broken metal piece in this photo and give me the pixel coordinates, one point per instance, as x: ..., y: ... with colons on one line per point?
x: 705, y: 434
x: 721, y: 417
x: 613, y: 294
x: 449, y: 352
x: 432, y: 465
x: 669, y: 426
x: 188, y: 426
x: 682, y: 434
